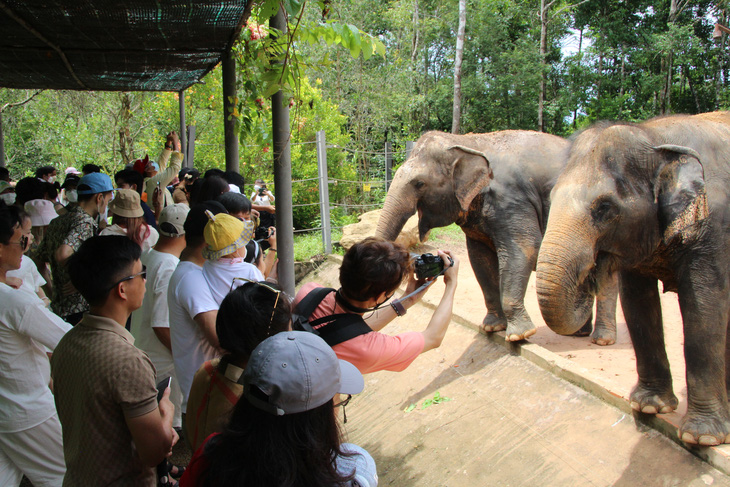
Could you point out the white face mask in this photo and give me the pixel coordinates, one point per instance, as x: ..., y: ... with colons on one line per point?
x: 256, y: 187
x: 72, y: 196
x: 52, y: 179
x: 8, y: 198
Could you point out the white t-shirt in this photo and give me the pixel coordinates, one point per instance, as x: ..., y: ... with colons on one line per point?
x: 26, y: 326
x: 147, y: 243
x: 219, y: 275
x: 188, y: 296
x: 28, y: 273
x: 154, y: 312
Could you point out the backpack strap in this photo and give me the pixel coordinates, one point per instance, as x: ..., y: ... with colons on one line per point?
x: 335, y: 329
x: 309, y: 303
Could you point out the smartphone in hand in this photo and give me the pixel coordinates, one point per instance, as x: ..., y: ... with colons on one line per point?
x: 164, y: 384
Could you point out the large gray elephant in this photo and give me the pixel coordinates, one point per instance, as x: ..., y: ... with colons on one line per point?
x: 496, y: 187
x: 652, y: 202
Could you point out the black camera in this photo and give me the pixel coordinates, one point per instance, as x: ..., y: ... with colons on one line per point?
x: 429, y: 265
x: 262, y: 190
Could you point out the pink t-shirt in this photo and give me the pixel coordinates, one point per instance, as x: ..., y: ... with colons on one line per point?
x: 372, y: 351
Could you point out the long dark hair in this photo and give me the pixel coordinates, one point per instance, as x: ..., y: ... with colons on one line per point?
x: 257, y: 448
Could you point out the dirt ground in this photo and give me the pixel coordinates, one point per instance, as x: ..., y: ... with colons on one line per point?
x: 613, y: 366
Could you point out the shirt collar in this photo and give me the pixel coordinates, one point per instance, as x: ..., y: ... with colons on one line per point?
x: 106, y: 324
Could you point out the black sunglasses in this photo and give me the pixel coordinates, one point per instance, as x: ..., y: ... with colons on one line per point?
x: 142, y: 274
x: 264, y: 285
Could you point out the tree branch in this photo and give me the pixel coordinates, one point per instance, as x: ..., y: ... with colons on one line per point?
x: 17, y: 104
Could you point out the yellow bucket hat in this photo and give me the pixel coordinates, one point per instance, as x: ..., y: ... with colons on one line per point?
x: 224, y: 234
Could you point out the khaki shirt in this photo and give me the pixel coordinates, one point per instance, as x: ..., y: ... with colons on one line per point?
x: 100, y: 379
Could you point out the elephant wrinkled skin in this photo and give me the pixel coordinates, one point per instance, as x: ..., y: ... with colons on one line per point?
x: 496, y: 187
x: 651, y: 202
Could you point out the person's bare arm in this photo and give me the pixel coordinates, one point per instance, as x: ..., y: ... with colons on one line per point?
x: 153, y: 434
x: 62, y: 254
x: 264, y: 208
x: 436, y: 329
x: 206, y: 322
x: 163, y: 335
x: 383, y: 316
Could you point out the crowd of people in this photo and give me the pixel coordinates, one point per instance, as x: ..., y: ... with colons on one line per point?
x: 109, y: 290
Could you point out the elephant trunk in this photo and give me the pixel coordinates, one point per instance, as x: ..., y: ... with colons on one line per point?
x: 396, y: 212
x: 566, y: 278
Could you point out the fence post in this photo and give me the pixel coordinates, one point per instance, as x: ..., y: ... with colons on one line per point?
x: 409, y: 148
x: 324, y: 192
x: 388, y: 164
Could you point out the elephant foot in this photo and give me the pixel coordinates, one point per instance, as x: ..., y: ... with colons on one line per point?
x: 492, y: 323
x: 653, y: 400
x: 604, y: 333
x: 705, y: 429
x: 519, y: 331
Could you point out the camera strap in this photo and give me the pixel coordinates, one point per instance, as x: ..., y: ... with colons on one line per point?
x: 397, y: 304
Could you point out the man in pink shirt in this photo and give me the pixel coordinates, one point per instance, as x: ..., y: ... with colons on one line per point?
x: 371, y: 272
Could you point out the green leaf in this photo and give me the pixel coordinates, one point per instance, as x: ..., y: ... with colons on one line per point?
x: 271, y: 89
x: 292, y: 7
x: 410, y: 408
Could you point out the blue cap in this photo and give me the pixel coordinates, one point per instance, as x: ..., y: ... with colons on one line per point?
x: 94, y: 183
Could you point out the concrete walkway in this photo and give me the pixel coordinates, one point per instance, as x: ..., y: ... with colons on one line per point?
x: 502, y: 420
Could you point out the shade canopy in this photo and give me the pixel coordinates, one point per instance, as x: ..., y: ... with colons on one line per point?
x: 122, y: 45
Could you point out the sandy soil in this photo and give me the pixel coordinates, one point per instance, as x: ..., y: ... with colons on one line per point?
x: 613, y: 366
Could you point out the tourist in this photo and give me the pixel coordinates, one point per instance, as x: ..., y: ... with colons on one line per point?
x: 192, y: 309
x: 65, y: 235
x: 284, y: 431
x: 131, y: 179
x: 247, y: 316
x: 30, y: 432
x: 157, y: 175
x: 151, y: 323
x: 114, y: 430
x: 7, y: 193
x: 128, y: 220
x: 226, y: 238
x: 29, y: 276
x: 370, y: 273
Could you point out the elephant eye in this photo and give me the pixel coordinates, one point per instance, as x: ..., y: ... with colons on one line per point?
x: 603, y: 210
x: 419, y: 184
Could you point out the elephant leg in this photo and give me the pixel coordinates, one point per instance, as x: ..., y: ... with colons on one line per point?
x: 604, y: 333
x: 516, y: 263
x: 703, y: 299
x: 642, y: 309
x: 486, y: 269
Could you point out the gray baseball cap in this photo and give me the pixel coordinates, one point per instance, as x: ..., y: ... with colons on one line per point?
x: 297, y: 371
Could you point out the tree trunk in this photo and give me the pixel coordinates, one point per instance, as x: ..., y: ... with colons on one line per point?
x: 543, y: 53
x: 416, y: 32
x: 456, y: 118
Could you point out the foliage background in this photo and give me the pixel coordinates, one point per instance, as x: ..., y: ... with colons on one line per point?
x: 628, y: 60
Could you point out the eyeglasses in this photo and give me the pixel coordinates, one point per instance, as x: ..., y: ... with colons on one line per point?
x: 343, y: 404
x: 23, y: 242
x: 264, y: 285
x: 142, y: 274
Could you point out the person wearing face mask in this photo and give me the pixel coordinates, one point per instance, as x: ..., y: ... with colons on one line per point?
x: 65, y: 235
x: 47, y: 174
x: 7, y: 193
x: 69, y: 194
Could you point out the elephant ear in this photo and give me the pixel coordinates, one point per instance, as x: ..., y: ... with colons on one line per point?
x: 470, y: 174
x: 680, y: 193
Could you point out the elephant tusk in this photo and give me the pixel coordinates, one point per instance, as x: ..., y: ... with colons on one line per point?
x: 469, y: 150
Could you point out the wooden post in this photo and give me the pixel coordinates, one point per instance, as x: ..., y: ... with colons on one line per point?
x: 191, y: 147
x: 282, y: 179
x: 229, y: 102
x: 388, y: 164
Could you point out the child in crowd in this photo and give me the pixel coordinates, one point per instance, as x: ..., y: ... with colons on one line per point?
x: 226, y: 238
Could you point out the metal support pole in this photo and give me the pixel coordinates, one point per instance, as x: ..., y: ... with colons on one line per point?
x: 2, y: 142
x: 324, y: 192
x: 229, y: 103
x: 183, y: 130
x: 388, y: 164
x: 191, y: 147
x: 409, y: 148
x: 282, y: 179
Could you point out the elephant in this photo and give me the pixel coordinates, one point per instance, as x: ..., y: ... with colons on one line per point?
x: 495, y: 186
x: 650, y: 201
